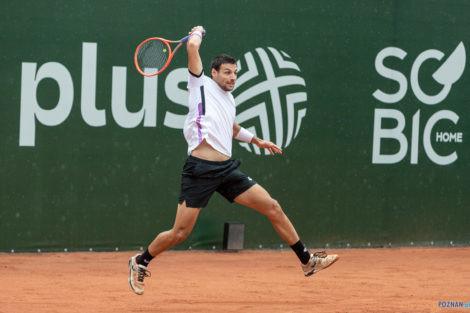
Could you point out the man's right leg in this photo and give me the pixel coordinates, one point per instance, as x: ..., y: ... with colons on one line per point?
x: 184, y: 222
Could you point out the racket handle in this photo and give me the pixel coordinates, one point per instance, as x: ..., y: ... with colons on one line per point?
x: 183, y: 40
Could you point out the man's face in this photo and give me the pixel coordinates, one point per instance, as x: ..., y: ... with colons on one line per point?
x: 226, y: 76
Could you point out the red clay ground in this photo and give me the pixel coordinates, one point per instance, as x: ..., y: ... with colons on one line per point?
x: 371, y: 280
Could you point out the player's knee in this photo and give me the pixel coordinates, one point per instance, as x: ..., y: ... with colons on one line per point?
x: 179, y: 235
x: 275, y: 211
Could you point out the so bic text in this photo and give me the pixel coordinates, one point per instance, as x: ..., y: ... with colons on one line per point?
x: 423, y: 132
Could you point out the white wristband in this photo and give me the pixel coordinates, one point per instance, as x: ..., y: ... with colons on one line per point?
x: 197, y: 33
x: 244, y: 135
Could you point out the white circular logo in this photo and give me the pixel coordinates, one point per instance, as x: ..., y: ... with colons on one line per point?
x: 271, y: 97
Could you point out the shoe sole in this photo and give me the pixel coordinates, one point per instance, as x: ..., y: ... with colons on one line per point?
x: 129, y: 279
x: 316, y: 271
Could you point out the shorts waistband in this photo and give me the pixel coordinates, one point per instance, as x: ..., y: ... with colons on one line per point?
x: 193, y: 158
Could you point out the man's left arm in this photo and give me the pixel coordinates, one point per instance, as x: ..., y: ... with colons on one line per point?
x: 242, y: 134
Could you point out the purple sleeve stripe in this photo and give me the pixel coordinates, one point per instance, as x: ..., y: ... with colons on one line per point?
x: 198, y: 121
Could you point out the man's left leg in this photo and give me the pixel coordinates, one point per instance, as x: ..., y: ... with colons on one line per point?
x: 259, y: 199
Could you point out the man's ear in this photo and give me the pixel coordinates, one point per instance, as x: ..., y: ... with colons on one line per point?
x: 213, y: 72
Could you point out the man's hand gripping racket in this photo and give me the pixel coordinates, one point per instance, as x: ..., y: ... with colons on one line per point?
x: 153, y: 55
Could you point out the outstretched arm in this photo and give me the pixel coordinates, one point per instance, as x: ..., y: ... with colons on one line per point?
x: 242, y: 134
x: 192, y: 46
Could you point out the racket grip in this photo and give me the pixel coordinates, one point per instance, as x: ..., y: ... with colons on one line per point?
x: 183, y: 40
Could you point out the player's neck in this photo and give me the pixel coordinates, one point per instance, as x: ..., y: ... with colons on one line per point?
x: 220, y: 87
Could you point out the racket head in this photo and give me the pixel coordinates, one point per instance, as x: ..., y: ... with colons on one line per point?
x: 152, y: 56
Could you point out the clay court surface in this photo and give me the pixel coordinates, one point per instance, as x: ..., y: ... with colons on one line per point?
x: 371, y: 280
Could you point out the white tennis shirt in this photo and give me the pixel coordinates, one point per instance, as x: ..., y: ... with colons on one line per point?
x: 211, y: 115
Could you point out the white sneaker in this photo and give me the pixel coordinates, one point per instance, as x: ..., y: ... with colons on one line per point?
x: 137, y: 273
x: 318, y: 261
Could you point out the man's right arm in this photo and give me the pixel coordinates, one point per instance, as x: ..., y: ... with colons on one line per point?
x: 192, y: 46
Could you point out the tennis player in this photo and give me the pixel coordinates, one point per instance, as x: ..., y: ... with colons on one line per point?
x: 209, y: 129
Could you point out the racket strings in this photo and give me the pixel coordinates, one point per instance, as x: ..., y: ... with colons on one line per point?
x: 152, y: 56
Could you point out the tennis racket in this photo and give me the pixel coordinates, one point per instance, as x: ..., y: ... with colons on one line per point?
x: 153, y: 55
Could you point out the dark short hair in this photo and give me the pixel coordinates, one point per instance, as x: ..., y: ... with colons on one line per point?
x: 221, y: 59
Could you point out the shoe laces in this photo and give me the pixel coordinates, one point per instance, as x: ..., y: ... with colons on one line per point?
x: 320, y: 254
x: 142, y: 273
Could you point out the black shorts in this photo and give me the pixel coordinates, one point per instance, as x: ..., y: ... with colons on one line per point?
x: 201, y: 178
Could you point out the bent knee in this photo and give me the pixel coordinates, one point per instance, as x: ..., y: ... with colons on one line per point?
x: 179, y: 235
x: 275, y: 210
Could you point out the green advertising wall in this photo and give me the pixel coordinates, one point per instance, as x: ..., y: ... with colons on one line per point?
x: 369, y: 99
